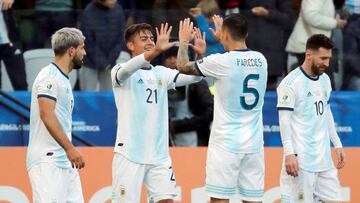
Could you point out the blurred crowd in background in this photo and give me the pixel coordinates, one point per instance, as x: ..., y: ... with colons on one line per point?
x: 277, y: 28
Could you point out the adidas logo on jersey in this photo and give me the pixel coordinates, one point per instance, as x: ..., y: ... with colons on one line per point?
x: 309, y: 94
x: 140, y: 81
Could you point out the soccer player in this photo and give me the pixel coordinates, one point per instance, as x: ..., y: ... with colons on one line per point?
x: 306, y: 127
x: 142, y: 142
x: 52, y: 160
x: 235, y: 159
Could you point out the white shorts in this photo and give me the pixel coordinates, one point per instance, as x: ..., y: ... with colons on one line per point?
x: 127, y: 179
x: 228, y: 173
x: 50, y: 183
x: 310, y: 186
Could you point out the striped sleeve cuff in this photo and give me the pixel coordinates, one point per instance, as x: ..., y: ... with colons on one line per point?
x: 46, y: 96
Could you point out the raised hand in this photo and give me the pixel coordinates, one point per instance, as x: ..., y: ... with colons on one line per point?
x: 185, y: 31
x: 199, y: 43
x: 163, y: 36
x: 218, y: 21
x: 6, y: 4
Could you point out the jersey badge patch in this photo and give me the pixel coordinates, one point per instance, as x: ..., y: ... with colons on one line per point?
x: 159, y: 82
x: 285, y: 99
x: 301, y: 196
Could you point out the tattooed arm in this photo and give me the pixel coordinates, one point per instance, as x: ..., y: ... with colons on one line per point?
x: 184, y: 65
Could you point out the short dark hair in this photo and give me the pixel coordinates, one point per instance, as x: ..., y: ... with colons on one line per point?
x: 135, y: 29
x: 236, y: 24
x: 319, y: 40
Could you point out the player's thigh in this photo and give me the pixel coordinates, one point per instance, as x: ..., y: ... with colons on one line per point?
x: 160, y: 181
x: 127, y: 178
x: 297, y: 189
x: 327, y: 186
x: 251, y: 177
x: 74, y: 191
x: 221, y: 173
x: 47, y: 183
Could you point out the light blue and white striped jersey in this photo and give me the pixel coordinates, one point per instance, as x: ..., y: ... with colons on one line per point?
x: 240, y: 82
x: 53, y: 84
x: 308, y: 98
x: 142, y: 104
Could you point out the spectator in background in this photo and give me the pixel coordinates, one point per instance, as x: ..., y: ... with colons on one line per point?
x: 190, y: 109
x: 10, y: 51
x: 315, y: 17
x: 230, y: 6
x: 129, y: 7
x: 351, y: 78
x: 51, y: 15
x: 203, y: 14
x: 103, y: 25
x: 270, y: 23
x: 171, y: 11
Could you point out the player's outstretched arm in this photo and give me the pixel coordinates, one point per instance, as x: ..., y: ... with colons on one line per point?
x: 52, y: 124
x: 123, y: 71
x: 336, y: 140
x: 185, y: 36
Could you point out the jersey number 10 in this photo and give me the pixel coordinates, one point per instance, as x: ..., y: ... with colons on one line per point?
x: 319, y: 105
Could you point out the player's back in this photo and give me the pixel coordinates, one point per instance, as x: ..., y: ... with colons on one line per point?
x: 240, y: 85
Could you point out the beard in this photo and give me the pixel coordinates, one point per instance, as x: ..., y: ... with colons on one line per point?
x: 77, y: 63
x: 318, y: 69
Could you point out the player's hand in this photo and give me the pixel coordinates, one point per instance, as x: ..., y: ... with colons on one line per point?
x: 76, y: 159
x: 163, y: 36
x: 6, y: 4
x: 199, y: 43
x: 218, y: 21
x: 260, y: 11
x: 195, y: 12
x: 186, y: 31
x: 340, y: 158
x: 292, y: 165
x: 340, y: 23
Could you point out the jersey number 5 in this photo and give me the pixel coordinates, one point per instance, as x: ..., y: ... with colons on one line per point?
x: 249, y: 90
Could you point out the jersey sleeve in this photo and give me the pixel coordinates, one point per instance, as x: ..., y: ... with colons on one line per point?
x: 170, y: 76
x: 285, y: 98
x: 46, y: 87
x: 114, y: 80
x: 212, y: 66
x: 121, y: 72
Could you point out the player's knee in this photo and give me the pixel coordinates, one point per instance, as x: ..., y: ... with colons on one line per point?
x: 216, y: 200
x: 166, y: 201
